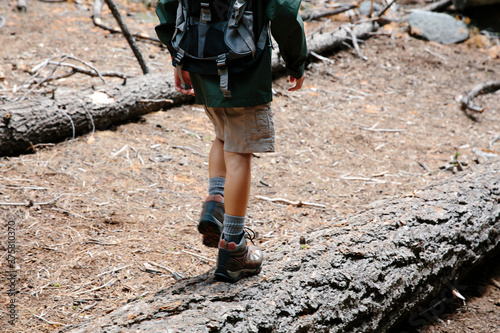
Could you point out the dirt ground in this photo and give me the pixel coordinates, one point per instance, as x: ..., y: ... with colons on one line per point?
x: 106, y: 217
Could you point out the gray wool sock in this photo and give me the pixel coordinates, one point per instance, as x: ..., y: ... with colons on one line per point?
x: 216, y: 185
x: 233, y: 227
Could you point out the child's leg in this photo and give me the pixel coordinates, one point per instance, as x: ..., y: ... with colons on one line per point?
x: 216, y: 163
x: 238, y: 176
x: 237, y: 191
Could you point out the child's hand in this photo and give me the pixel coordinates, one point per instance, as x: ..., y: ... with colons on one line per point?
x: 298, y: 82
x: 184, y: 87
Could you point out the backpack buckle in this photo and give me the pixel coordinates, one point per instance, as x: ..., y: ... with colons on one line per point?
x: 205, y: 14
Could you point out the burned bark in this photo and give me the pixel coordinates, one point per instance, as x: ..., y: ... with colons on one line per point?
x: 24, y: 124
x: 360, y: 275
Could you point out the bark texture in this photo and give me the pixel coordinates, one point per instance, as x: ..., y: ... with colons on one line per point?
x: 70, y: 113
x: 361, y: 275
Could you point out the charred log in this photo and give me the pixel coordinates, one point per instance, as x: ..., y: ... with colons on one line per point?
x: 360, y: 275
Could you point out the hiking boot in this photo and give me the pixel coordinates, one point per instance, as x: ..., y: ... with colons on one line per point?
x: 236, y: 261
x: 211, y: 220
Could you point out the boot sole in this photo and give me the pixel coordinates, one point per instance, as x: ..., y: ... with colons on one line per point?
x: 211, y: 229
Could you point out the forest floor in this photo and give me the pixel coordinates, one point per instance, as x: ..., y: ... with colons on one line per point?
x: 100, y: 217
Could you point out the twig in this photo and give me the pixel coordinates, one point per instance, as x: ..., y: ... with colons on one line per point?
x: 354, y: 42
x: 483, y: 88
x: 382, y: 12
x: 335, y: 11
x: 112, y: 271
x: 119, y: 151
x: 373, y: 129
x: 93, y: 72
x: 199, y: 256
x: 320, y: 57
x: 289, y: 202
x: 191, y: 149
x: 128, y: 36
x: 437, y: 5
x: 156, y: 101
x: 175, y: 275
x: 93, y: 241
x: 49, y: 322
x: 109, y: 283
x: 425, y: 167
x: 363, y: 179
x: 88, y: 65
x: 320, y: 28
x: 29, y: 204
x: 435, y: 54
x: 495, y: 283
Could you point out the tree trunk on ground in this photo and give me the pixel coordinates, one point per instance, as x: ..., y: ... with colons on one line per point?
x: 30, y: 122
x: 361, y: 275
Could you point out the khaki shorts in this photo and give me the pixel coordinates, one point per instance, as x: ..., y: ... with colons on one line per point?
x: 244, y: 129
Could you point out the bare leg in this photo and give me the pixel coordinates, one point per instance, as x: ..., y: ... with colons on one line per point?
x: 216, y: 163
x: 238, y: 177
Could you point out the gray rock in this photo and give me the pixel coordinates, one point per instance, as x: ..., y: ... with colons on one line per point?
x: 437, y: 27
x: 364, y: 8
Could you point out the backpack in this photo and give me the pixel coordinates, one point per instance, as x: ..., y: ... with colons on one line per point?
x: 216, y: 37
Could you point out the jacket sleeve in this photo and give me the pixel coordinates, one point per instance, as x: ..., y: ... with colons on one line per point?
x: 287, y: 29
x: 166, y: 10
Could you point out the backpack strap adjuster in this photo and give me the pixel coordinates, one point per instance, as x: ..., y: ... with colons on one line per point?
x: 205, y: 13
x: 223, y: 75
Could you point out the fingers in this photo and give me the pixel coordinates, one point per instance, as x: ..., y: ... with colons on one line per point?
x: 298, y: 83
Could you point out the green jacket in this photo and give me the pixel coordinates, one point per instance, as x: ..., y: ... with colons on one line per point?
x: 253, y: 85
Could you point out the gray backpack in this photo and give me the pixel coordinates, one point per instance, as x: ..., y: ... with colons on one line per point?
x: 217, y: 37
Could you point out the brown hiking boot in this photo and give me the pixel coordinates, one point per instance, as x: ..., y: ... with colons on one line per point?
x: 236, y: 261
x: 211, y: 220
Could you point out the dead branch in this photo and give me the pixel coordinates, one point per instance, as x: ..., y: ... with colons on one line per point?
x: 94, y: 72
x: 191, y: 149
x: 335, y: 11
x: 480, y: 89
x: 437, y: 6
x: 289, y: 202
x: 128, y: 36
x: 354, y: 42
x: 174, y: 274
x: 96, y: 18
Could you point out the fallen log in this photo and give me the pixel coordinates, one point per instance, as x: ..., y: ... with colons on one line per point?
x: 361, y: 275
x: 67, y: 114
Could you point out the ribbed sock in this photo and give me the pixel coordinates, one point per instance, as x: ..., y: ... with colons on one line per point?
x: 216, y: 185
x: 233, y: 228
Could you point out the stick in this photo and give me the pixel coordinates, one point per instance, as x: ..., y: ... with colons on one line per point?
x: 199, y: 256
x: 437, y: 6
x: 175, y: 275
x: 29, y: 204
x: 189, y: 148
x: 355, y: 42
x: 312, y: 17
x: 112, y: 271
x: 480, y: 89
x: 109, y: 283
x: 289, y: 202
x: 49, y: 322
x: 495, y: 283
x: 382, y: 12
x: 128, y: 36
